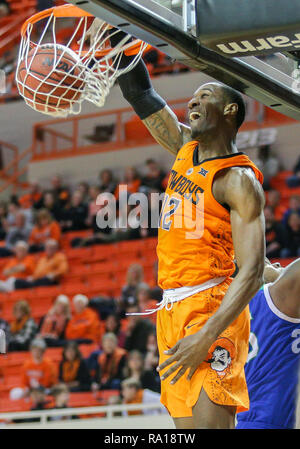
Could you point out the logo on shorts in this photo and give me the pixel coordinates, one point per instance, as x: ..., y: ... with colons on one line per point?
x: 221, y: 354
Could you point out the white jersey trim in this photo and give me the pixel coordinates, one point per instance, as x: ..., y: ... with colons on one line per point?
x: 275, y: 310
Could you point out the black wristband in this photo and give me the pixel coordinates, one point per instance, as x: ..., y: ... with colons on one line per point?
x: 136, y: 85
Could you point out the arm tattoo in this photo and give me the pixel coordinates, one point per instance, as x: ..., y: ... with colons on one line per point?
x: 164, y: 130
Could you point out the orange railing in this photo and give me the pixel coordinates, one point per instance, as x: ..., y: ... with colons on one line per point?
x: 49, y: 141
x: 68, y: 137
x: 10, y: 174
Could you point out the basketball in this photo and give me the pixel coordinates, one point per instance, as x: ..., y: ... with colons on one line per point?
x: 49, y: 78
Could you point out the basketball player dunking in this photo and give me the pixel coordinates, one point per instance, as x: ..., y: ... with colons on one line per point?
x: 203, y: 320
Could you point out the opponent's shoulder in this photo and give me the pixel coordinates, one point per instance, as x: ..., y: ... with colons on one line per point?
x: 239, y: 188
x: 285, y: 291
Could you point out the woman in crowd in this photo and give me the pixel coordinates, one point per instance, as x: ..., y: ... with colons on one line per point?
x: 113, y: 324
x: 135, y: 368
x: 45, y: 228
x: 135, y: 278
x: 53, y: 325
x: 110, y: 365
x: 23, y: 328
x: 3, y: 214
x: 73, y: 369
x: 130, y: 184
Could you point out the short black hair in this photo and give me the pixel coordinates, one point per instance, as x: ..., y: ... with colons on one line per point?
x: 233, y: 96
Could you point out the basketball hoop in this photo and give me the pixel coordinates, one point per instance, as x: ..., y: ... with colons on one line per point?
x: 76, y: 71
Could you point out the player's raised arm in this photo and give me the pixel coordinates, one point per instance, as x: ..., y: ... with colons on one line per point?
x: 157, y: 116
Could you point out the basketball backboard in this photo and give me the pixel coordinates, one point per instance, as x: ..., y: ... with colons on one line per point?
x: 171, y: 26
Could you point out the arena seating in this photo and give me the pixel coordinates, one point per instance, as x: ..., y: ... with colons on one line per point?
x: 96, y: 271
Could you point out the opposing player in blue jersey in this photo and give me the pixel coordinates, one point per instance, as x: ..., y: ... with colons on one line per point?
x: 273, y: 362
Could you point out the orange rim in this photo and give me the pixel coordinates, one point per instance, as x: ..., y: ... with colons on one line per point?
x: 73, y: 11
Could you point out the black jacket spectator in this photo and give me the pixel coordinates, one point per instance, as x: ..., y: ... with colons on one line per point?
x: 73, y: 370
x: 276, y: 235
x: 293, y: 232
x: 138, y: 331
x: 74, y: 216
x: 153, y: 178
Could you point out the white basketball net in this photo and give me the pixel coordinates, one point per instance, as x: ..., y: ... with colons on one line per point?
x: 95, y: 73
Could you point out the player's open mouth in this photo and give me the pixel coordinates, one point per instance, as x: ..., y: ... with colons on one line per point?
x: 195, y: 116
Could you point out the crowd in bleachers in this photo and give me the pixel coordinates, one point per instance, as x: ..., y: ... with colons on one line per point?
x: 67, y: 287
x: 39, y: 231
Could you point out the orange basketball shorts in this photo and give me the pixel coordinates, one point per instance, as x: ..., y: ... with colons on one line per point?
x: 222, y: 373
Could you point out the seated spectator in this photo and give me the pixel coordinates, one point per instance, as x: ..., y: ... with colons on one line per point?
x: 84, y: 326
x: 156, y: 291
x: 267, y: 162
x: 152, y: 355
x: 53, y: 325
x: 294, y: 180
x: 4, y: 8
x: 61, y: 193
x: 110, y: 365
x: 130, y: 184
x: 32, y: 198
x: 146, y: 302
x: 93, y: 206
x: 107, y: 183
x: 61, y: 396
x: 38, y: 371
x: 294, y: 206
x: 73, y: 370
x: 21, y: 266
x: 4, y: 326
x: 151, y: 378
x: 13, y: 210
x: 20, y: 231
x: 102, y: 219
x: 135, y: 278
x: 45, y: 228
x: 293, y: 231
x: 133, y: 393
x: 124, y: 227
x: 52, y: 205
x: 154, y: 177
x: 23, y: 328
x: 138, y: 330
x: 135, y: 368
x: 276, y: 236
x: 73, y: 218
x: 3, y: 214
x: 83, y: 187
x: 113, y: 324
x: 273, y: 200
x: 38, y: 400
x: 49, y: 270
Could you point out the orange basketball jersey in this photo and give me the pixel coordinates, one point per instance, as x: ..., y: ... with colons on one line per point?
x: 194, y: 237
